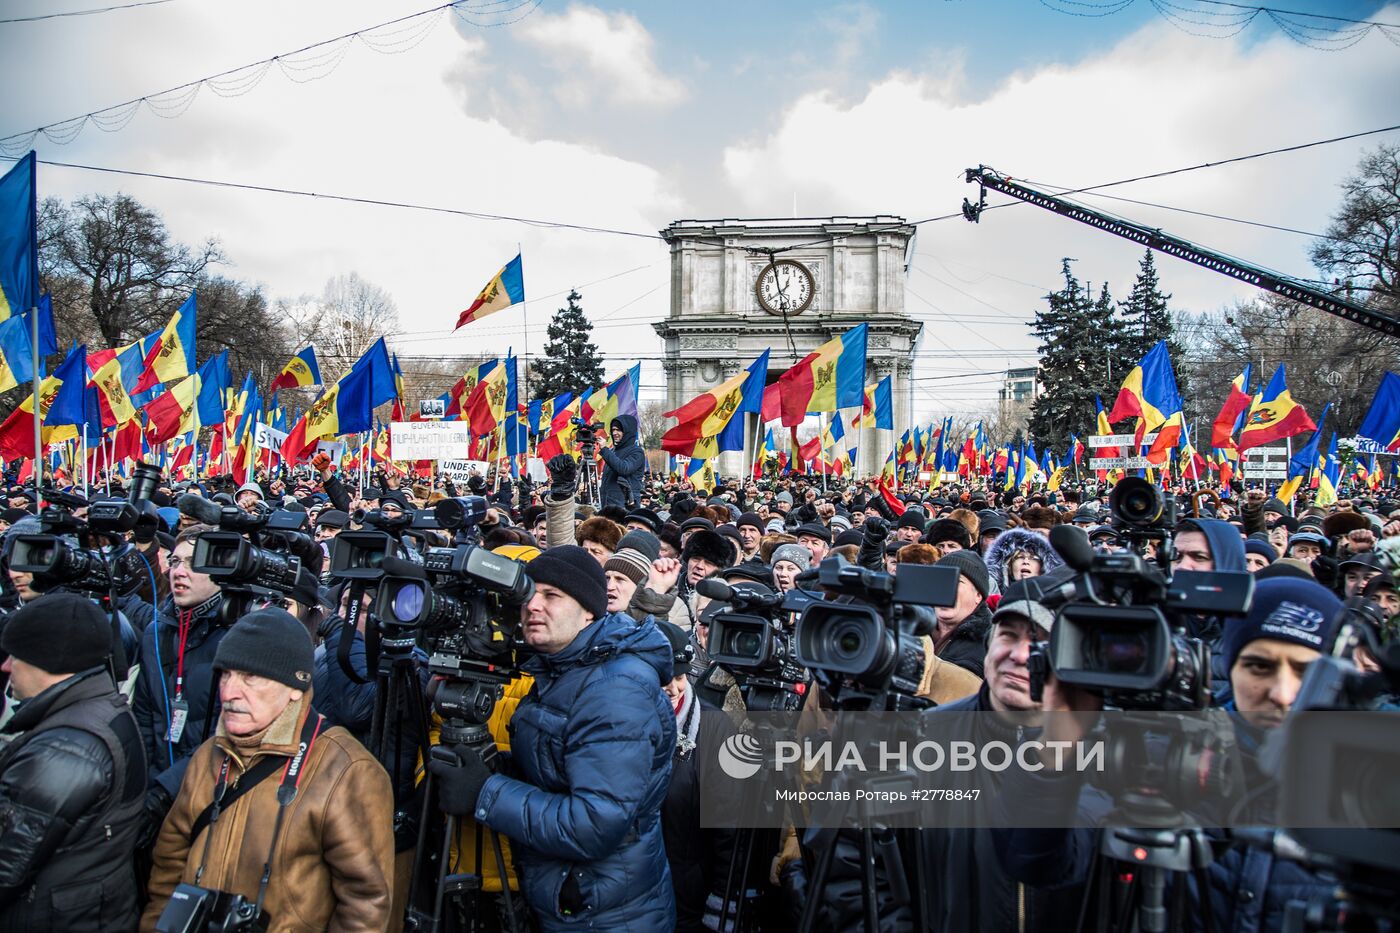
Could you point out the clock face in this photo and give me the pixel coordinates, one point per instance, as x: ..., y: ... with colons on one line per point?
x: 785, y: 286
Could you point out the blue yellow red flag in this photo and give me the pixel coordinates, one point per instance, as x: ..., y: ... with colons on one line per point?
x: 1274, y: 415
x: 506, y: 288
x: 172, y: 355
x: 301, y: 370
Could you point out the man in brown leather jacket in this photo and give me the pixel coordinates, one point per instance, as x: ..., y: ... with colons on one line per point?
x: 331, y: 850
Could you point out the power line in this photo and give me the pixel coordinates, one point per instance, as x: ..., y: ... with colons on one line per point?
x: 105, y: 9
x: 351, y: 199
x: 390, y: 37
x: 1315, y: 30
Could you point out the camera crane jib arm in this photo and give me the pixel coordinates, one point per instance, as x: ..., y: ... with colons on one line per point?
x: 1275, y: 282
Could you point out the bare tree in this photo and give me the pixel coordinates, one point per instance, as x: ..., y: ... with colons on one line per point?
x: 114, y: 258
x: 1362, y: 248
x: 350, y: 315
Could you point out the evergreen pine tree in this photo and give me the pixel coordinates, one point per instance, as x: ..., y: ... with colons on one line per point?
x: 571, y: 362
x: 1145, y: 315
x: 1079, y: 343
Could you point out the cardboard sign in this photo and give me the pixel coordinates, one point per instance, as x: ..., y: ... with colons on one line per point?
x: 266, y: 437
x: 430, y: 440
x: 1118, y: 463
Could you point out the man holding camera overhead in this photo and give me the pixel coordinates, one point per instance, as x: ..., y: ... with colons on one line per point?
x: 280, y: 815
x: 590, y: 761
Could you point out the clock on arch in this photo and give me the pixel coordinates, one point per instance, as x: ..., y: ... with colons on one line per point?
x: 785, y: 286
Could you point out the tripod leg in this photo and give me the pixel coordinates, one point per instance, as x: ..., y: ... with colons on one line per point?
x: 450, y: 830
x: 505, y: 877
x: 815, y: 885
x: 741, y: 839
x: 743, y: 887
x: 867, y: 867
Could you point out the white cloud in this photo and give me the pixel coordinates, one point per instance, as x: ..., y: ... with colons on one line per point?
x: 598, y: 54
x: 1157, y: 100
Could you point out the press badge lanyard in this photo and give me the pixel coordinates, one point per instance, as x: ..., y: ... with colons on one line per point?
x: 179, y: 709
x: 286, y: 793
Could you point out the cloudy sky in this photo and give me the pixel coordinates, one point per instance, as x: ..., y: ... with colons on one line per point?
x: 630, y: 117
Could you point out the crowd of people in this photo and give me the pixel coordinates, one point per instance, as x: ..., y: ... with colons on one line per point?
x: 162, y: 760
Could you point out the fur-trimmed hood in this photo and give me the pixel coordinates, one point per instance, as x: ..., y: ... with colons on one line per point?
x: 1019, y: 539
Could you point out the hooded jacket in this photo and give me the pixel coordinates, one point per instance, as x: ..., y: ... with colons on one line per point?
x: 591, y: 748
x: 1019, y: 539
x: 623, y: 466
x: 1227, y: 553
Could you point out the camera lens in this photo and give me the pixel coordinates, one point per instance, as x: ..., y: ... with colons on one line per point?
x: 848, y: 640
x: 1118, y: 652
x: 408, y: 602
x: 224, y: 558
x: 747, y: 644
x: 368, y: 560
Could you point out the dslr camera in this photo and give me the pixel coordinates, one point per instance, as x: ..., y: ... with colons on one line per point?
x: 193, y: 909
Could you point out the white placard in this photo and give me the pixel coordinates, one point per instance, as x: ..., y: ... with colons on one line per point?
x: 266, y: 437
x: 1268, y: 473
x: 1266, y: 453
x: 459, y: 471
x: 430, y: 440
x: 534, y: 468
x: 333, y: 449
x: 1119, y: 440
x: 1118, y: 463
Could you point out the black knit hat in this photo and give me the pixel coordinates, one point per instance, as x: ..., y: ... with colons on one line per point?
x: 911, y: 519
x: 576, y: 572
x: 270, y: 643
x: 970, y: 565
x: 750, y: 518
x: 61, y: 633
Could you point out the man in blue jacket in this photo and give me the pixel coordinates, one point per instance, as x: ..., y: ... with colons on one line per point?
x: 623, y: 464
x: 590, y: 761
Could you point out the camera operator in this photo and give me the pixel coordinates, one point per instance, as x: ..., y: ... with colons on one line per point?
x: 301, y: 811
x: 590, y: 760
x: 623, y: 464
x: 1266, y: 654
x: 174, y: 698
x: 73, y: 781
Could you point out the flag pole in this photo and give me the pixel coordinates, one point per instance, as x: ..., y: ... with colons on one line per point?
x: 821, y: 445
x: 85, y: 463
x: 38, y: 415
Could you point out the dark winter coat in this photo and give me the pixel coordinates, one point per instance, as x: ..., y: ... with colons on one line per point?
x: 967, y: 645
x: 72, y: 787
x: 155, y: 689
x: 699, y: 857
x: 623, y: 466
x: 1018, y: 539
x: 591, y: 748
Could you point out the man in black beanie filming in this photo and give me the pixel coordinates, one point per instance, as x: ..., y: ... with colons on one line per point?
x: 278, y: 808
x: 73, y: 780
x: 591, y: 744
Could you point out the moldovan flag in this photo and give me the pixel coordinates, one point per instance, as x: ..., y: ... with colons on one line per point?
x: 1149, y: 392
x: 486, y: 406
x: 1331, y: 476
x: 1302, y: 464
x: 708, y: 414
x: 19, y: 250
x: 830, y: 377
x: 168, y: 415
x: 63, y: 389
x: 887, y: 481
x: 171, y: 357
x: 1274, y: 415
x: 1382, y: 422
x: 561, y: 430
x: 505, y: 289
x: 878, y: 408
x: 346, y: 407
x: 301, y: 370
x: 618, y: 397
x: 112, y: 400
x: 1236, y: 404
x: 16, y: 353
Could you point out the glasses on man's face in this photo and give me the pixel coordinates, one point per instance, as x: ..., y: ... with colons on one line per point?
x: 175, y: 563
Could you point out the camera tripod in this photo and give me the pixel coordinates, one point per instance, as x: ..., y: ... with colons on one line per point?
x: 1161, y: 848
x: 465, y: 705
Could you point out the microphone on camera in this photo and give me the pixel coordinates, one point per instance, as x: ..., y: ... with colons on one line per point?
x: 200, y: 509
x: 1073, y: 545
